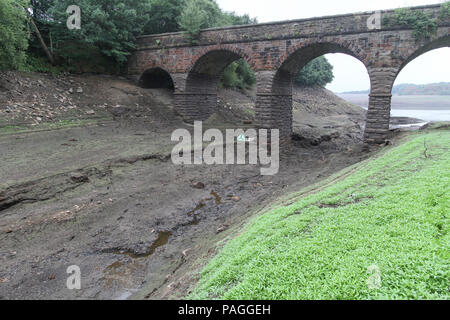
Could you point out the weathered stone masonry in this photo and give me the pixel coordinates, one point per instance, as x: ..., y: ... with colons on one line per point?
x: 277, y: 52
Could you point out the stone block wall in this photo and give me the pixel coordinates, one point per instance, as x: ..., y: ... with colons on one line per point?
x: 277, y: 52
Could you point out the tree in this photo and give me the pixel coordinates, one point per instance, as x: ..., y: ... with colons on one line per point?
x: 14, y: 33
x: 238, y: 74
x: 111, y: 26
x: 319, y: 72
x: 232, y: 19
x: 192, y: 19
x: 163, y: 16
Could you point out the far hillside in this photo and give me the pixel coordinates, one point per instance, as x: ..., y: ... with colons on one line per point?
x: 432, y: 89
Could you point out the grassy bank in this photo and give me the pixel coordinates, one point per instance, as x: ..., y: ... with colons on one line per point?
x: 62, y: 124
x: 379, y: 233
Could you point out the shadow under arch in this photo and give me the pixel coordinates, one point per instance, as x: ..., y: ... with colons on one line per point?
x: 156, y: 78
x: 282, y: 83
x: 199, y: 100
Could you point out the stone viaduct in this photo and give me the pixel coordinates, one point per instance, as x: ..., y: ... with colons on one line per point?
x: 277, y: 52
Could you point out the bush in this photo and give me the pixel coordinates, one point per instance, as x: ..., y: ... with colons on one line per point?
x: 192, y: 20
x: 238, y: 74
x: 40, y: 64
x: 444, y: 13
x: 318, y: 72
x: 163, y: 16
x: 424, y: 26
x: 14, y: 33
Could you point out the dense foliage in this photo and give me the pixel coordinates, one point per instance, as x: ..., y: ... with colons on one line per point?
x: 444, y: 13
x: 163, y: 16
x: 13, y: 33
x: 423, y: 24
x: 239, y: 74
x: 318, y: 72
x: 109, y: 29
x: 200, y: 14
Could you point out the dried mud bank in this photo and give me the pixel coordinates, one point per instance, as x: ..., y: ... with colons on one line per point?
x: 108, y: 198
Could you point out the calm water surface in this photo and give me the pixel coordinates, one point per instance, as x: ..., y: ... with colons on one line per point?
x: 428, y: 108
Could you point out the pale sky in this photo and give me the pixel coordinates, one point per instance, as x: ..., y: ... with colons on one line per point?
x: 350, y: 74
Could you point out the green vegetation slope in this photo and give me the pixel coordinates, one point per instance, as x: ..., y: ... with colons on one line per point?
x: 381, y: 232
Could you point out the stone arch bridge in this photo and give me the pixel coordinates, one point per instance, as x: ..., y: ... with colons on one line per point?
x: 277, y: 52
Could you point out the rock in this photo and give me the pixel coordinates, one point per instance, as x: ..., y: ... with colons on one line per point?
x: 79, y: 90
x: 198, y: 185
x: 185, y: 252
x: 71, y: 90
x: 79, y: 178
x: 119, y: 111
x: 236, y: 198
x: 90, y: 112
x: 222, y: 228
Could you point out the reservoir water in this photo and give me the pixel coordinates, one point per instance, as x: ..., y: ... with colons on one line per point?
x: 428, y: 108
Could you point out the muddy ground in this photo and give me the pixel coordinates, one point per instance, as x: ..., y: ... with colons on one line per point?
x: 106, y: 196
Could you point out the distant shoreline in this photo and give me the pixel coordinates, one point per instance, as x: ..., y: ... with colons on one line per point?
x: 421, y: 102
x: 432, y: 89
x: 395, y: 95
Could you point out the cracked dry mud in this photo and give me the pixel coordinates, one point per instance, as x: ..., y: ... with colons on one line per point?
x: 108, y: 198
x: 134, y: 223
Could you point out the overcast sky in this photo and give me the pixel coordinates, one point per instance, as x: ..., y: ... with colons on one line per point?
x: 350, y: 74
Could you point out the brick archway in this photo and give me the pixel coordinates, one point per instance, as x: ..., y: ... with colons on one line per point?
x: 382, y: 81
x: 274, y: 50
x: 199, y: 99
x: 156, y: 78
x: 274, y: 102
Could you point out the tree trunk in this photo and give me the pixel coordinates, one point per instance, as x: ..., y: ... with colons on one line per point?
x: 41, y: 40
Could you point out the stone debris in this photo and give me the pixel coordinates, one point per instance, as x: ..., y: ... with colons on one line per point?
x: 198, y: 185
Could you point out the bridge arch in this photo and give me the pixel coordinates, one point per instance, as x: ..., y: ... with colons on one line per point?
x: 156, y: 78
x: 298, y: 56
x: 274, y: 106
x: 199, y: 99
x: 438, y: 43
x: 382, y: 82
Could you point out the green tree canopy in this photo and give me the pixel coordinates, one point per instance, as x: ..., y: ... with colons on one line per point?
x: 319, y: 72
x: 163, y: 16
x: 13, y: 33
x: 109, y: 25
x: 109, y: 29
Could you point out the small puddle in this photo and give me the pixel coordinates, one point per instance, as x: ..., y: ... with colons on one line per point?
x: 122, y: 271
x: 193, y: 214
x: 198, y: 207
x: 201, y: 205
x: 216, y: 197
x: 163, y: 238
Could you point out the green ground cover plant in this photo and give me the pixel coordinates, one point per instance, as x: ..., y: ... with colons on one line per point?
x: 389, y: 213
